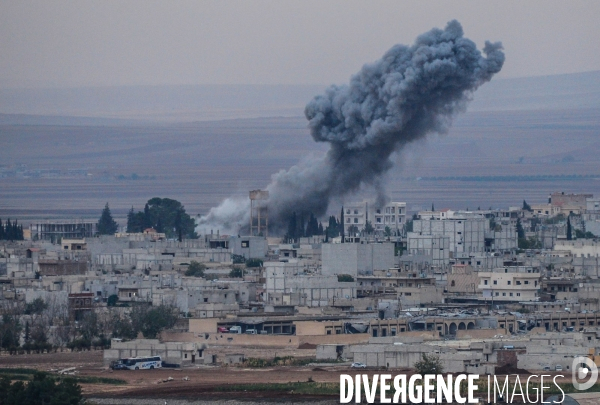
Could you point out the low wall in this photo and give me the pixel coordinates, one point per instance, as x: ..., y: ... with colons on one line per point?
x: 275, y: 341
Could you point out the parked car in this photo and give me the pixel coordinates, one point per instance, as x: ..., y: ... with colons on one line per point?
x: 118, y: 365
x: 251, y: 331
x: 358, y: 365
x: 558, y: 367
x: 222, y: 329
x: 235, y: 329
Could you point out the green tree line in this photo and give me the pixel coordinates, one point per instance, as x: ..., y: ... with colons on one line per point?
x: 11, y: 230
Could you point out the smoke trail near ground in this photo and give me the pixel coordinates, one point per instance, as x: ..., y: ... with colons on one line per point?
x: 408, y: 93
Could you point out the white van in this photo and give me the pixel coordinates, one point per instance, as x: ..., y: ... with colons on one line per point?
x: 251, y: 331
x: 235, y: 329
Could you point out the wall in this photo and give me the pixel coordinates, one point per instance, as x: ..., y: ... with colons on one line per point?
x: 355, y: 258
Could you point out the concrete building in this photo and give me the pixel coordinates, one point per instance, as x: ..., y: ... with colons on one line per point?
x: 592, y: 205
x: 463, y: 283
x: 466, y: 235
x: 288, y: 285
x: 437, y: 247
x: 579, y: 248
x: 509, y: 284
x: 392, y: 215
x: 251, y: 247
x: 356, y: 258
x: 570, y: 203
x: 56, y: 230
x: 170, y: 352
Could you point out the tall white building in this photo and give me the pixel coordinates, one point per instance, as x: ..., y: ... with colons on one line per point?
x: 466, y: 232
x: 392, y: 215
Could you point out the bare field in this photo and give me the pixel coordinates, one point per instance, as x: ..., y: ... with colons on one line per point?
x: 72, y: 171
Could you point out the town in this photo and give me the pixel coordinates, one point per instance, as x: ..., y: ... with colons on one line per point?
x: 487, y: 291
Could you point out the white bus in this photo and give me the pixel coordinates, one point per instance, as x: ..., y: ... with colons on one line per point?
x: 142, y: 363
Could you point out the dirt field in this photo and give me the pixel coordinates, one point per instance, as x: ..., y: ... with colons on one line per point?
x: 196, y: 383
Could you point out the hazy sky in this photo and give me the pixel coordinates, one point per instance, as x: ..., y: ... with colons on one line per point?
x: 98, y: 43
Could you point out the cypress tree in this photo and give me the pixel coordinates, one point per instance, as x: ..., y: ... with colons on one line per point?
x: 106, y: 224
x: 9, y: 230
x: 130, y: 220
x: 520, y: 230
x: 147, y: 218
x: 569, y: 230
x: 1, y: 230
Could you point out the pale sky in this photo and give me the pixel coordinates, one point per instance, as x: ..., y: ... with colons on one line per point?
x: 104, y: 43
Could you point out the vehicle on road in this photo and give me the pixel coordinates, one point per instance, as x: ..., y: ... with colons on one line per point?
x: 118, y: 365
x: 222, y: 329
x: 142, y: 363
x: 358, y: 365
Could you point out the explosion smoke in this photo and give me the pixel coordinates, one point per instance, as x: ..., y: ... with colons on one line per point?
x: 410, y: 92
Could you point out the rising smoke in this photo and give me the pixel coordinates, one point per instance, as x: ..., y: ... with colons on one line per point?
x: 408, y: 93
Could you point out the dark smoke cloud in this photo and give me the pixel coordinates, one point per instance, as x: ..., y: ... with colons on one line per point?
x: 408, y: 93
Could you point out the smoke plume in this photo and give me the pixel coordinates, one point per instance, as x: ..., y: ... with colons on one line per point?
x: 408, y: 93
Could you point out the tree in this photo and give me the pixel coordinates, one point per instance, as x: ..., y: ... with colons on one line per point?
x: 579, y: 234
x: 387, y: 231
x: 112, y: 300
x: 195, y: 269
x: 526, y: 207
x: 238, y: 259
x: 520, y: 230
x: 42, y: 389
x: 37, y: 306
x: 429, y: 364
x: 236, y: 272
x: 369, y: 227
x: 153, y: 320
x: 106, y: 224
x: 345, y: 278
x: 569, y: 229
x: 290, y: 236
x: 254, y: 262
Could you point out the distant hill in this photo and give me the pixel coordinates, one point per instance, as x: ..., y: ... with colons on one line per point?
x: 569, y: 91
x: 217, y: 102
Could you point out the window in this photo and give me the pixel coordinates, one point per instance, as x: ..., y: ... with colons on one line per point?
x: 508, y: 282
x: 245, y: 243
x: 495, y: 282
x: 355, y: 212
x: 356, y: 220
x: 504, y: 294
x: 511, y: 294
x: 453, y: 283
x: 485, y: 282
x: 518, y: 294
x: 497, y: 294
x: 526, y: 281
